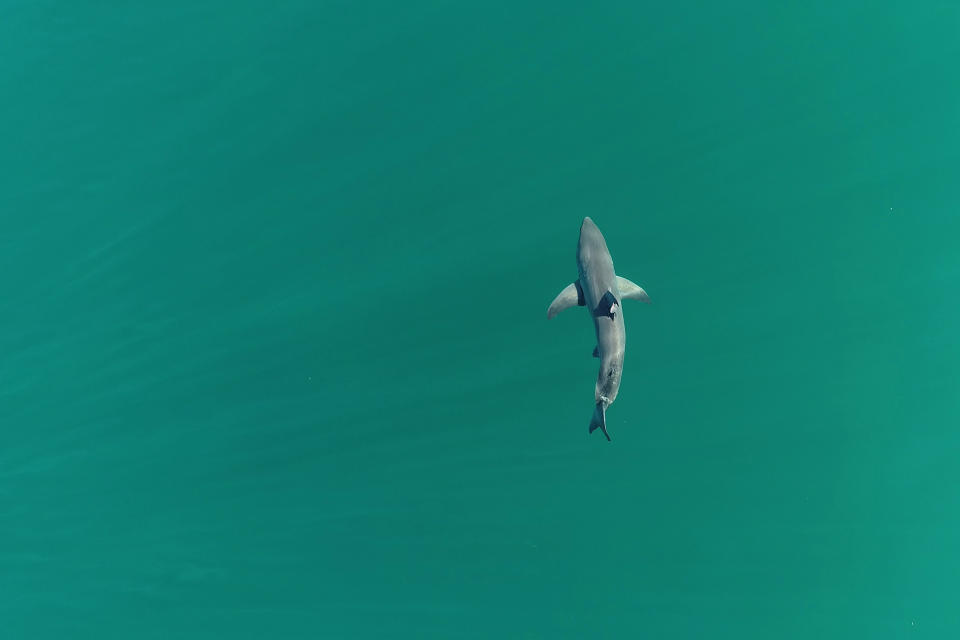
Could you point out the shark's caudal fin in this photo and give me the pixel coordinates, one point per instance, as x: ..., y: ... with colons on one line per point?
x: 571, y: 296
x: 599, y: 420
x: 631, y: 290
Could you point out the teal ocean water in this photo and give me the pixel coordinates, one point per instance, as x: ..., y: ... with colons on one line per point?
x: 275, y: 360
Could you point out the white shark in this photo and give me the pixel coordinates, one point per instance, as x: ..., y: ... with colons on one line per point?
x: 600, y: 290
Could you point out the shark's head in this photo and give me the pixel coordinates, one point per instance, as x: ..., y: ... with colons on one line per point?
x: 588, y: 227
x: 591, y: 240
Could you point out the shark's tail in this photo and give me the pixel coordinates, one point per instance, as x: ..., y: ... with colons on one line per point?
x: 599, y: 420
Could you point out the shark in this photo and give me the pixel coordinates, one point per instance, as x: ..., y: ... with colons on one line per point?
x: 601, y: 291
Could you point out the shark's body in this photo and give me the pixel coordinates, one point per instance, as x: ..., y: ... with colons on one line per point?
x: 600, y: 290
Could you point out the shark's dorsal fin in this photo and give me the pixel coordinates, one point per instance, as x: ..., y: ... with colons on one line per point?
x: 571, y: 296
x: 631, y: 291
x: 608, y: 306
x: 596, y: 351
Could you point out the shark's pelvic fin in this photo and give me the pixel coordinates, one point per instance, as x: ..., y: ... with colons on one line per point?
x: 596, y: 351
x: 571, y: 296
x: 599, y: 420
x: 631, y: 291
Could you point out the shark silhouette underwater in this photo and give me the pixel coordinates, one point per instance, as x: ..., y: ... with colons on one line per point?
x: 601, y: 291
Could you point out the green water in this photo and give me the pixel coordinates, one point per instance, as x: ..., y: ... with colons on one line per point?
x: 275, y: 361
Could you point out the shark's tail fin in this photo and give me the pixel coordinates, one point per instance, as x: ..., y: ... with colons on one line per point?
x: 599, y: 420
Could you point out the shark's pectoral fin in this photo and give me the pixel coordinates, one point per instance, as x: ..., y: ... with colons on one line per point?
x: 631, y: 290
x: 608, y: 306
x: 571, y: 296
x: 596, y: 351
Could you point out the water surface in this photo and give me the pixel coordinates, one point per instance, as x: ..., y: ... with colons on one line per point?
x: 275, y: 355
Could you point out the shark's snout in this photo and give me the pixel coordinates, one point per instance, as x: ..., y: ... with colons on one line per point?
x: 590, y: 235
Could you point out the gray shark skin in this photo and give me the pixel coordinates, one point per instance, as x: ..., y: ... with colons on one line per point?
x: 600, y: 290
